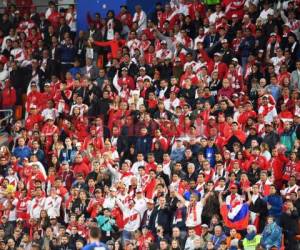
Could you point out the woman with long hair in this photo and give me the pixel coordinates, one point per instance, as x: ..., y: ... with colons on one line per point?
x: 79, y: 207
x: 44, y: 220
x: 265, y: 151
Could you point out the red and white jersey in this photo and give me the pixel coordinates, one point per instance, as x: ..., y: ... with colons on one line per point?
x: 289, y: 190
x: 126, y: 178
x: 12, y: 179
x: 132, y: 45
x: 10, y: 212
x: 143, y: 180
x: 140, y: 205
x: 82, y: 107
x: 215, y: 17
x: 36, y: 206
x: 264, y: 187
x: 131, y: 217
x: 49, y: 130
x: 71, y: 17
x: 187, y: 64
x: 235, y: 44
x: 61, y: 106
x: 109, y: 202
x: 277, y: 62
x: 201, y: 188
x: 144, y: 45
x: 52, y: 205
x: 18, y: 54
x: 198, y: 39
x: 233, y: 200
x: 294, y: 25
x: 26, y: 26
x: 22, y: 207
x: 164, y: 54
x: 171, y: 106
x: 269, y: 112
x: 166, y: 168
x: 193, y: 214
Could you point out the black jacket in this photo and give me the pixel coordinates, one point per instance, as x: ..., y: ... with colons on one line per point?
x: 289, y: 222
x: 160, y: 217
x: 271, y: 139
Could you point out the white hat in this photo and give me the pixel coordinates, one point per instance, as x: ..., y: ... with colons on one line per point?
x: 49, y: 117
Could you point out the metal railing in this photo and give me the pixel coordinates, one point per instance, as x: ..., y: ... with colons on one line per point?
x: 6, y: 115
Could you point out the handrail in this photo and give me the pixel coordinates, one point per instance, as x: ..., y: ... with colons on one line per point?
x: 8, y: 115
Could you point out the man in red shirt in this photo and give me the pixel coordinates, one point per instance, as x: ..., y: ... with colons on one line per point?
x: 80, y: 167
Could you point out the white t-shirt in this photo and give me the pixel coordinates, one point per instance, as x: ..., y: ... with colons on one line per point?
x: 193, y: 216
x: 12, y: 213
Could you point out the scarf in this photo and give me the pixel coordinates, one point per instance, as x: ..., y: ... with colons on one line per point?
x: 192, y: 209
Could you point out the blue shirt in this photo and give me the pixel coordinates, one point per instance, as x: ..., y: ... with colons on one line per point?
x: 275, y: 91
x: 95, y: 246
x: 22, y: 152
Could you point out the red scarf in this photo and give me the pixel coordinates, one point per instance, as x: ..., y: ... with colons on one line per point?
x: 192, y: 209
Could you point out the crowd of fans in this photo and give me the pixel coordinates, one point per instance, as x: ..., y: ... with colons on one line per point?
x: 177, y: 129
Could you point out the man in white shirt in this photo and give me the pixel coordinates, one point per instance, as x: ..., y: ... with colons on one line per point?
x: 140, y: 202
x: 267, y: 110
x: 141, y: 18
x: 265, y: 12
x: 37, y: 204
x: 190, y: 241
x: 79, y: 104
x: 214, y: 17
x: 194, y: 210
x: 11, y: 36
x: 133, y: 43
x: 50, y: 111
x: 291, y: 188
x: 110, y: 200
x: 140, y: 162
x: 131, y: 218
x: 164, y: 52
x: 172, y: 103
x: 53, y: 203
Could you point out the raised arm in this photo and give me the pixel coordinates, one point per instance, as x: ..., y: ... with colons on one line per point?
x: 209, y: 193
x: 220, y: 198
x: 102, y: 44
x: 249, y: 196
x: 120, y: 204
x: 180, y: 197
x: 115, y: 82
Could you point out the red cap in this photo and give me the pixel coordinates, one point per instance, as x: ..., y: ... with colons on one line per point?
x: 233, y: 186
